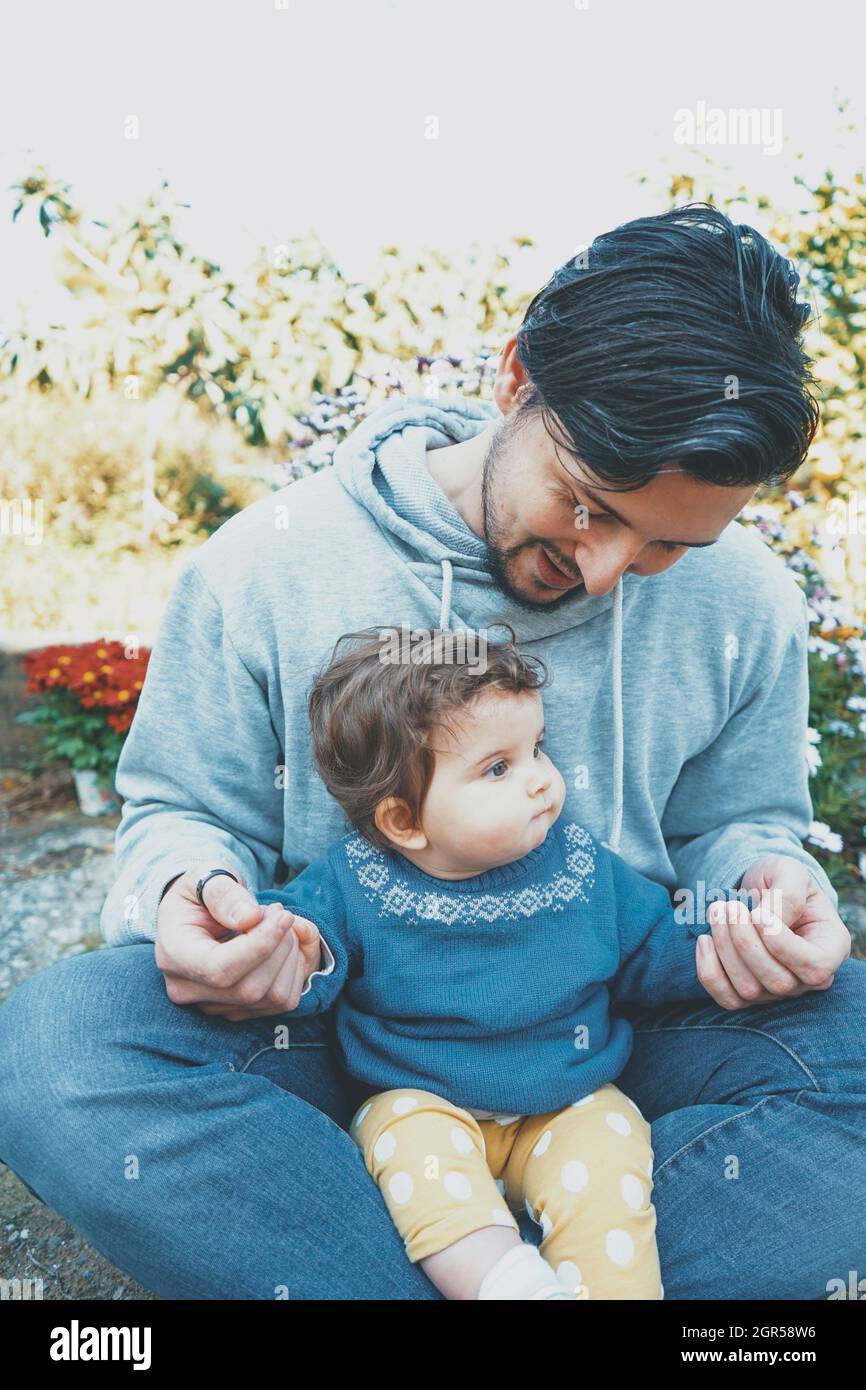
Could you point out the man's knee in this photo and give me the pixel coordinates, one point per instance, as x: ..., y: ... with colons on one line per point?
x: 842, y: 1024
x: 840, y: 1010
x: 51, y: 1024
x: 848, y: 990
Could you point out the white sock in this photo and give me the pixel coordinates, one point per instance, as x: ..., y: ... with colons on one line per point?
x: 522, y: 1273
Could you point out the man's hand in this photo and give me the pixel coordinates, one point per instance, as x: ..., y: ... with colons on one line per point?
x: 233, y: 957
x: 765, y: 955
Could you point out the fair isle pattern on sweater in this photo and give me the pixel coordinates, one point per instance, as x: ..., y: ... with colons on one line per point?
x: 394, y: 897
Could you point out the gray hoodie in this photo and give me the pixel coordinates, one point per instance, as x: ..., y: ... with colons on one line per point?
x: 677, y: 709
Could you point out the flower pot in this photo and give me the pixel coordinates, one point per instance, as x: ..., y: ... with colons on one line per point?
x: 94, y: 797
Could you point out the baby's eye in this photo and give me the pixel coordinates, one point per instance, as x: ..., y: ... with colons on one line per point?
x: 502, y: 763
x: 537, y: 749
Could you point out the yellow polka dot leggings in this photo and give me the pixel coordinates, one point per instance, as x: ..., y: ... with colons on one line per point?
x: 584, y: 1174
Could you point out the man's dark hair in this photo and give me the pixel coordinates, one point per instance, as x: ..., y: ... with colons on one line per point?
x: 371, y: 718
x: 632, y: 353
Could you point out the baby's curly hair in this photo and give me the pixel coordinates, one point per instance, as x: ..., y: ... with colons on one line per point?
x: 371, y: 715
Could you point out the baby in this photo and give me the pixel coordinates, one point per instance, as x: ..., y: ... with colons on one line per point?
x: 472, y: 944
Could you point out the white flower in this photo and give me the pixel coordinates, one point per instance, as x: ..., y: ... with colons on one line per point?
x: 818, y: 644
x: 858, y: 704
x: 838, y: 726
x: 857, y: 645
x: 813, y: 757
x: 821, y: 834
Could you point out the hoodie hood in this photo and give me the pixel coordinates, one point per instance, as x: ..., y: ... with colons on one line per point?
x: 382, y: 465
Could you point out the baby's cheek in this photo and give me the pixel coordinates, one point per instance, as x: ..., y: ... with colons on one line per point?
x: 490, y: 819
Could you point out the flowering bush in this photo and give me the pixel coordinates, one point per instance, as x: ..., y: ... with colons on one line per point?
x: 836, y: 749
x: 91, y: 692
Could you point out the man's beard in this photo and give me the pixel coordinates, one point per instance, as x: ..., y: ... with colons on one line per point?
x: 501, y: 557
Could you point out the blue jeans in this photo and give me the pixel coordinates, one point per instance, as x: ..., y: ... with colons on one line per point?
x: 206, y: 1163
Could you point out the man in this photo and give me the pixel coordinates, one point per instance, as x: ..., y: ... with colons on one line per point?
x: 148, y: 1094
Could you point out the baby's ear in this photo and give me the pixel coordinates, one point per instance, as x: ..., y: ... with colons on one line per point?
x: 394, y: 820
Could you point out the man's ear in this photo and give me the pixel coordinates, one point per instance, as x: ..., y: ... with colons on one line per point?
x: 511, y: 382
x: 393, y: 819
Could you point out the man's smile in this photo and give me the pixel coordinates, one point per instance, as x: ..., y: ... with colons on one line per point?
x: 551, y: 572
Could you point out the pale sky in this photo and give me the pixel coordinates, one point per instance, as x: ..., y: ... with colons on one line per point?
x: 270, y: 120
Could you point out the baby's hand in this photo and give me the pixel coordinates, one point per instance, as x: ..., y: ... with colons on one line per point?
x: 310, y: 943
x: 306, y: 933
x: 274, y: 985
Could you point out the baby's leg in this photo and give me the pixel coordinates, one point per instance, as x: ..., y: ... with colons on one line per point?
x: 585, y: 1173
x: 430, y: 1161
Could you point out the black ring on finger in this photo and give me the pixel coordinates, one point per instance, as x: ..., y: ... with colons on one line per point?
x: 202, y: 881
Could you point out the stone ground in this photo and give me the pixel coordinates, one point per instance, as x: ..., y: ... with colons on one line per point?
x: 56, y: 867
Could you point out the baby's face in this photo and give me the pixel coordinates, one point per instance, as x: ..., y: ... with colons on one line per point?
x: 495, y: 793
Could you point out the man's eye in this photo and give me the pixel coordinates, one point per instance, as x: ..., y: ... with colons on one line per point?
x: 577, y: 505
x: 664, y: 545
x: 501, y: 764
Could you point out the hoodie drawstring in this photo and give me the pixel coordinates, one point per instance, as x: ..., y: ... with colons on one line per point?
x: 445, y: 606
x: 618, y: 741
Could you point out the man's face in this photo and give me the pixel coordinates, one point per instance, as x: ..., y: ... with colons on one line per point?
x: 544, y: 513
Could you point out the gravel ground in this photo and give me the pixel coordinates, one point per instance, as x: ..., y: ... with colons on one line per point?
x: 56, y: 867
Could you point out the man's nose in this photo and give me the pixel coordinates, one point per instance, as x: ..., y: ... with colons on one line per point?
x: 602, y: 564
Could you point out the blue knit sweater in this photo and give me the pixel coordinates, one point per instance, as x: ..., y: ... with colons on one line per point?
x: 493, y: 991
